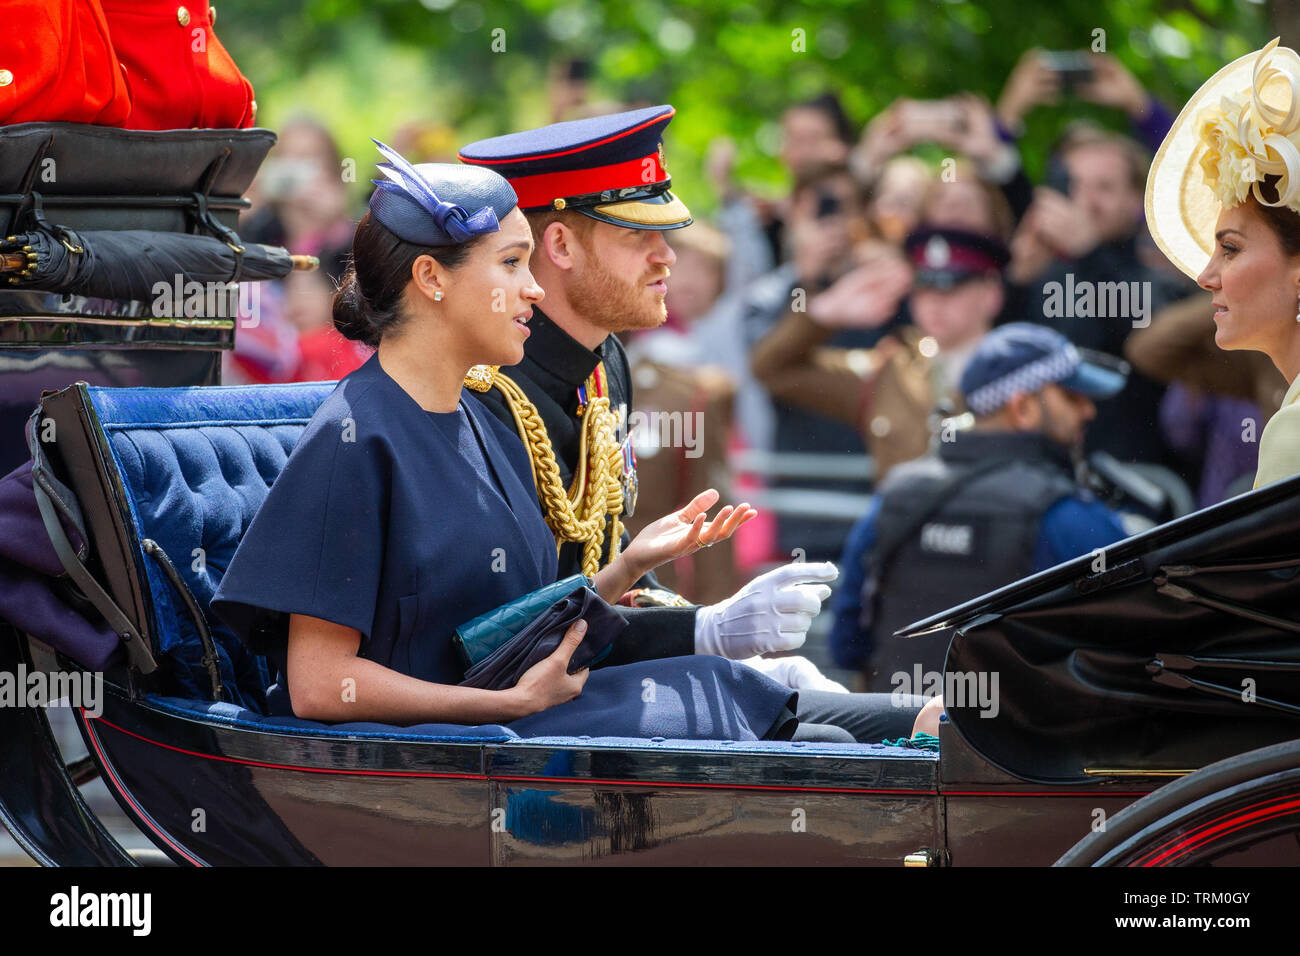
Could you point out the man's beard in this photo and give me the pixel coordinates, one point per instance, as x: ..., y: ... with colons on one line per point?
x: 611, y: 302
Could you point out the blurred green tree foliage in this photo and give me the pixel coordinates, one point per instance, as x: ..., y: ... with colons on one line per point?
x: 730, y: 66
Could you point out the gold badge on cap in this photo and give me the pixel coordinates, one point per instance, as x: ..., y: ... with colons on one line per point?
x: 662, y: 164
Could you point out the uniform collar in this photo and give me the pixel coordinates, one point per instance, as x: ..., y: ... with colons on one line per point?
x: 556, y: 351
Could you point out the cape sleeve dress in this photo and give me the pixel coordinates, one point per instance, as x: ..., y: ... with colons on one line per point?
x: 404, y: 523
x: 1279, y: 443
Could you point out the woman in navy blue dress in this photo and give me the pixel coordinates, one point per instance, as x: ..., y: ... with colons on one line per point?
x: 405, y: 511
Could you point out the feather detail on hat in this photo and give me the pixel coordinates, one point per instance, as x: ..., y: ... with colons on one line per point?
x: 454, y: 220
x: 1250, y: 135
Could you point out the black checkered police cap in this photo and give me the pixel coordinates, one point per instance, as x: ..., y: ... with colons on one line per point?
x: 610, y: 168
x: 1023, y: 357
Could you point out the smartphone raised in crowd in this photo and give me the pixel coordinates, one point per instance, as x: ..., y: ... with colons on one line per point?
x: 1073, y: 66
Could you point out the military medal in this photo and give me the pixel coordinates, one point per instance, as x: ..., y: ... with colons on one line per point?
x: 628, y: 478
x: 594, y: 386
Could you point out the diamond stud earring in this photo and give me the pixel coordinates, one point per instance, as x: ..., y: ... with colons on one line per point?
x: 437, y: 297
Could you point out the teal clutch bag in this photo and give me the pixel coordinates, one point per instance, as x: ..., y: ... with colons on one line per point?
x: 478, y: 638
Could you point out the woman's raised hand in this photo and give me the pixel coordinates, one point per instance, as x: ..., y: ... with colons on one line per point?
x: 686, y: 531
x: 548, y: 682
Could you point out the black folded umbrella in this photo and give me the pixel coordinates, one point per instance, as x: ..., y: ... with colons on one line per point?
x: 509, y: 662
x: 128, y: 264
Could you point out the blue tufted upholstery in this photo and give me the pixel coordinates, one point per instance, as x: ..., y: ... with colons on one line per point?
x: 196, y: 464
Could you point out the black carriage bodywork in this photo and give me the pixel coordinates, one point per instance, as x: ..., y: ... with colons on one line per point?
x: 208, y: 793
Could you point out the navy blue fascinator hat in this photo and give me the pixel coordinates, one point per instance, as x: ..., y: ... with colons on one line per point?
x: 439, y: 204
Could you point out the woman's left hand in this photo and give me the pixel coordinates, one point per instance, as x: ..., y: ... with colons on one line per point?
x: 684, y: 532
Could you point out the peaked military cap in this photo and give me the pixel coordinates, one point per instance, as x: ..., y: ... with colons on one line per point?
x: 610, y: 168
x: 943, y: 258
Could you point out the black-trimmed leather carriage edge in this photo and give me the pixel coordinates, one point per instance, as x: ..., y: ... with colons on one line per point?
x: 79, y: 458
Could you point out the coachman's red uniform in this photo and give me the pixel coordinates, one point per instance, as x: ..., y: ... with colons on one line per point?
x: 57, y: 64
x: 178, y: 73
x: 140, y: 64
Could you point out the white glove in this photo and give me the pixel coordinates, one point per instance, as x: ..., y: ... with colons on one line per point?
x: 771, y: 613
x: 797, y: 673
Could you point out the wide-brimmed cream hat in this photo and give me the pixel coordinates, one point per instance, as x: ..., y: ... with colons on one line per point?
x: 1241, y: 125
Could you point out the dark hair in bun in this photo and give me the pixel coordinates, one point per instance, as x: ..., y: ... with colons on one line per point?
x: 368, y: 305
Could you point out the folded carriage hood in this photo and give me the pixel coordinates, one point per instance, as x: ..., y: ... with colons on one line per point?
x: 1166, y: 651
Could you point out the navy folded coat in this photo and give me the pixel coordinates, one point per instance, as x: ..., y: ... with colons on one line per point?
x: 31, y: 597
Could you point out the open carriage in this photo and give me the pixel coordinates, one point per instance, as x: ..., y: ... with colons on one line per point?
x: 1116, y: 679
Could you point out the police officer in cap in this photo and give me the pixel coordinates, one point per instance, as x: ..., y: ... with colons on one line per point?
x: 596, y: 194
x: 993, y: 503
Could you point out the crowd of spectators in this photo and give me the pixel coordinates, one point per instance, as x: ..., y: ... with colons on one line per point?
x: 838, y: 287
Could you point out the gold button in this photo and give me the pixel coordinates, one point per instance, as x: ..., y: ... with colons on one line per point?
x: 212, y: 16
x: 253, y: 106
x: 182, y: 16
x: 558, y: 203
x: 6, y: 77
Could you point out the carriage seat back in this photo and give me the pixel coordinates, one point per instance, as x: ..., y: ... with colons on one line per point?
x: 192, y: 466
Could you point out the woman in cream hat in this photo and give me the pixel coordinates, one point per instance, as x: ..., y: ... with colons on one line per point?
x: 1223, y: 203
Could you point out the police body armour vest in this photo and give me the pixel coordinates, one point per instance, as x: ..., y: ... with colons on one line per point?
x: 952, y: 527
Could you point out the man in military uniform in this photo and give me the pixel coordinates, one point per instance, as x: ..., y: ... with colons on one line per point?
x: 596, y: 193
x: 890, y: 392
x: 994, y: 503
x: 569, y: 397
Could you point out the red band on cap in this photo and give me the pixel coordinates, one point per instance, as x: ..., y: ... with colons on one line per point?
x: 961, y: 258
x: 541, y: 189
